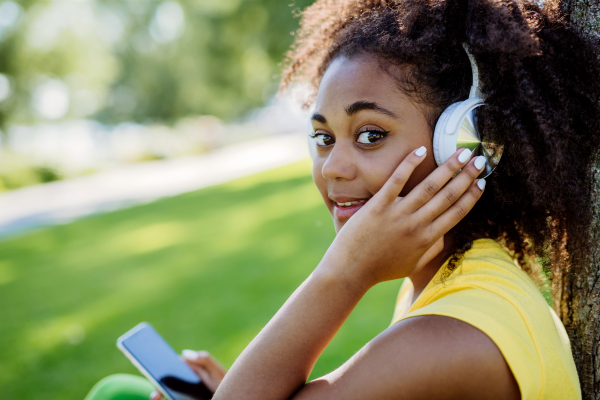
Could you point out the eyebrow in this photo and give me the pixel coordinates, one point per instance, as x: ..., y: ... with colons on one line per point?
x: 356, y: 107
x: 367, y: 105
x: 319, y: 118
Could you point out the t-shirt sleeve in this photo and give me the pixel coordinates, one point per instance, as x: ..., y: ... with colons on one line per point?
x: 502, y: 323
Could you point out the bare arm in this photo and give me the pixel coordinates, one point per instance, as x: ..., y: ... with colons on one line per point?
x: 382, y: 241
x: 427, y: 357
x: 279, y: 360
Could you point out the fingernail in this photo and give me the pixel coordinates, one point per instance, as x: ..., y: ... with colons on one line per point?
x: 420, y: 151
x: 152, y: 395
x: 464, y: 155
x: 481, y: 183
x: 189, y: 354
x: 479, y: 162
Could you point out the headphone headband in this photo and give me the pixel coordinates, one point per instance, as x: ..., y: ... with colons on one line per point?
x: 457, y: 127
x: 475, y: 90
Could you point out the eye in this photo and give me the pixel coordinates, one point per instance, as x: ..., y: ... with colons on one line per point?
x: 369, y: 137
x: 323, y: 139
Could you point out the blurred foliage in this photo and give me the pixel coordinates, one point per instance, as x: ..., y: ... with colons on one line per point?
x: 141, y: 60
x: 208, y: 269
x: 47, y: 174
x: 27, y: 175
x: 17, y: 171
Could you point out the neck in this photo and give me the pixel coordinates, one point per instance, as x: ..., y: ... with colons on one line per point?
x: 421, y: 278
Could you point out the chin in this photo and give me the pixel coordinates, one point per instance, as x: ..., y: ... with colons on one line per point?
x: 338, y: 225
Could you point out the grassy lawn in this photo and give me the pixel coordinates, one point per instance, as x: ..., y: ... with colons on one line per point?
x: 208, y: 269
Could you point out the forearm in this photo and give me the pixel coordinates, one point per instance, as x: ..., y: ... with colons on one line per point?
x: 279, y: 360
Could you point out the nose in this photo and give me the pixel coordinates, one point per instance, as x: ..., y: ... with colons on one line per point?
x: 339, y: 164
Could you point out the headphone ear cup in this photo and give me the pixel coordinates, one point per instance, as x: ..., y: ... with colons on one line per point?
x: 440, y: 141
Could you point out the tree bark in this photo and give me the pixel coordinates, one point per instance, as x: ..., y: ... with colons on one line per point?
x: 577, y: 292
x: 584, y: 14
x: 577, y: 302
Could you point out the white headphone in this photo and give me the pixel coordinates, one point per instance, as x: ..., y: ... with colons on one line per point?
x: 458, y: 122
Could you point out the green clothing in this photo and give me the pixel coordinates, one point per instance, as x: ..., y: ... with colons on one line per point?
x: 121, y: 387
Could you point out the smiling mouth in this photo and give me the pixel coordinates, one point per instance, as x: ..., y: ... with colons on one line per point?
x: 350, y: 203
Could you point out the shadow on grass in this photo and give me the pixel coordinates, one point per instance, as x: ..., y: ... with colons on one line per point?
x: 208, y: 269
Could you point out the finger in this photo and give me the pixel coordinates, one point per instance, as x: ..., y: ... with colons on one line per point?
x: 195, y: 367
x: 208, y: 379
x: 394, y: 185
x: 452, y: 191
x: 206, y: 360
x: 458, y: 210
x: 156, y: 395
x: 425, y: 190
x: 211, y: 381
x: 205, y: 376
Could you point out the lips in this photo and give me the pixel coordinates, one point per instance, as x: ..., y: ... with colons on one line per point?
x: 345, y: 207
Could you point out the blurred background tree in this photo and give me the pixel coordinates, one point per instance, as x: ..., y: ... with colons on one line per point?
x: 93, y: 84
x: 141, y: 61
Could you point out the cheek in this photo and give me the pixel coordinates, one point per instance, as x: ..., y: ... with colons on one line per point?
x: 421, y: 172
x: 377, y: 173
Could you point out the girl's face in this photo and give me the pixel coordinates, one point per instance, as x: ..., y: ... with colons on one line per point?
x: 364, y: 127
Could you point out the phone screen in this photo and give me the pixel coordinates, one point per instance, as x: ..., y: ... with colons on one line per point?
x: 160, y: 361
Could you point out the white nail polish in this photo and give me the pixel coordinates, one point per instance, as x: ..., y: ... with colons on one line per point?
x: 189, y: 354
x: 481, y: 184
x: 153, y: 394
x: 479, y: 162
x: 464, y: 155
x: 420, y: 151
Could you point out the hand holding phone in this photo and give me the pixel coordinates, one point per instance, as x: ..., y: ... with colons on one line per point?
x: 205, y: 366
x: 156, y: 360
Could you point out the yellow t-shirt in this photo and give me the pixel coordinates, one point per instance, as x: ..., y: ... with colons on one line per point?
x: 488, y: 291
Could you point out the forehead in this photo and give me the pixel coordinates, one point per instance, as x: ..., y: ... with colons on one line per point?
x: 359, y: 78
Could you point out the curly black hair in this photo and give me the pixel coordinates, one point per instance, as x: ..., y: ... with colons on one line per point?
x: 541, y: 81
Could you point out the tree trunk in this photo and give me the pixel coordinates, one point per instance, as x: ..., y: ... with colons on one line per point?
x: 577, y: 292
x: 577, y: 302
x: 585, y: 14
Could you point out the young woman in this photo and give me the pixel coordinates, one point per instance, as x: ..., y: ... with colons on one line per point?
x: 469, y: 322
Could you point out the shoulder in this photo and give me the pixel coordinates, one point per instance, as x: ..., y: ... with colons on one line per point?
x: 462, y: 360
x: 489, y: 267
x: 488, y: 256
x: 432, y: 357
x: 489, y: 293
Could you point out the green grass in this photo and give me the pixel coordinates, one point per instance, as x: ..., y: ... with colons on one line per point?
x: 208, y: 269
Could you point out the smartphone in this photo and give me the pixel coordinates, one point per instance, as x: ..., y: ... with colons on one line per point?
x: 153, y: 356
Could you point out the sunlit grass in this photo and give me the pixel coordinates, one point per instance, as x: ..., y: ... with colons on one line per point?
x: 207, y: 269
